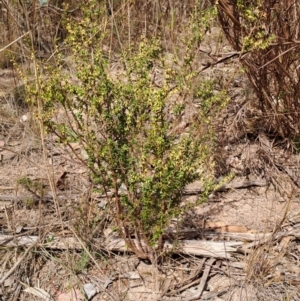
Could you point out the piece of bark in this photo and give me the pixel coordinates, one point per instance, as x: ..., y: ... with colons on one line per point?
x: 12, y: 241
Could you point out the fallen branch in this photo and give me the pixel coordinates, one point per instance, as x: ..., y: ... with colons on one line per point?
x: 21, y: 258
x: 215, y: 249
x: 202, y: 282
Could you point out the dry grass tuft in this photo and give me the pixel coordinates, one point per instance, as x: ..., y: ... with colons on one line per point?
x: 265, y: 273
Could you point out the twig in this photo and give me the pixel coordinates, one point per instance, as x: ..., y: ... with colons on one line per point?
x: 16, y: 264
x: 203, y: 280
x: 62, y: 10
x: 20, y: 155
x: 189, y: 281
x: 279, y: 55
x: 84, y: 247
x: 16, y: 40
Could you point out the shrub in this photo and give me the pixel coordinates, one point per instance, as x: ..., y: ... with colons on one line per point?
x: 139, y: 153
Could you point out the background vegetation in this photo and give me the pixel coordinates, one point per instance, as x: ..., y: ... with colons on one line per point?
x: 266, y: 34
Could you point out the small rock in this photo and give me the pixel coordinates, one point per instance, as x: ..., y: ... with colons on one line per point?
x: 25, y: 118
x: 90, y: 290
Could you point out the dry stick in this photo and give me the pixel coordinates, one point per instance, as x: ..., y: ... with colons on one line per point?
x: 16, y: 40
x: 279, y: 55
x: 84, y: 247
x: 203, y: 279
x: 21, y: 155
x: 16, y: 264
x: 187, y: 282
x: 202, y: 282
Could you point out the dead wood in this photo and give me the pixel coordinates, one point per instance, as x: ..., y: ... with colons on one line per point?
x: 213, y: 249
x: 203, y: 281
x: 202, y: 284
x: 190, y: 281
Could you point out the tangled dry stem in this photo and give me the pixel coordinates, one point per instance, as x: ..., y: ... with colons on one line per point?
x: 273, y: 69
